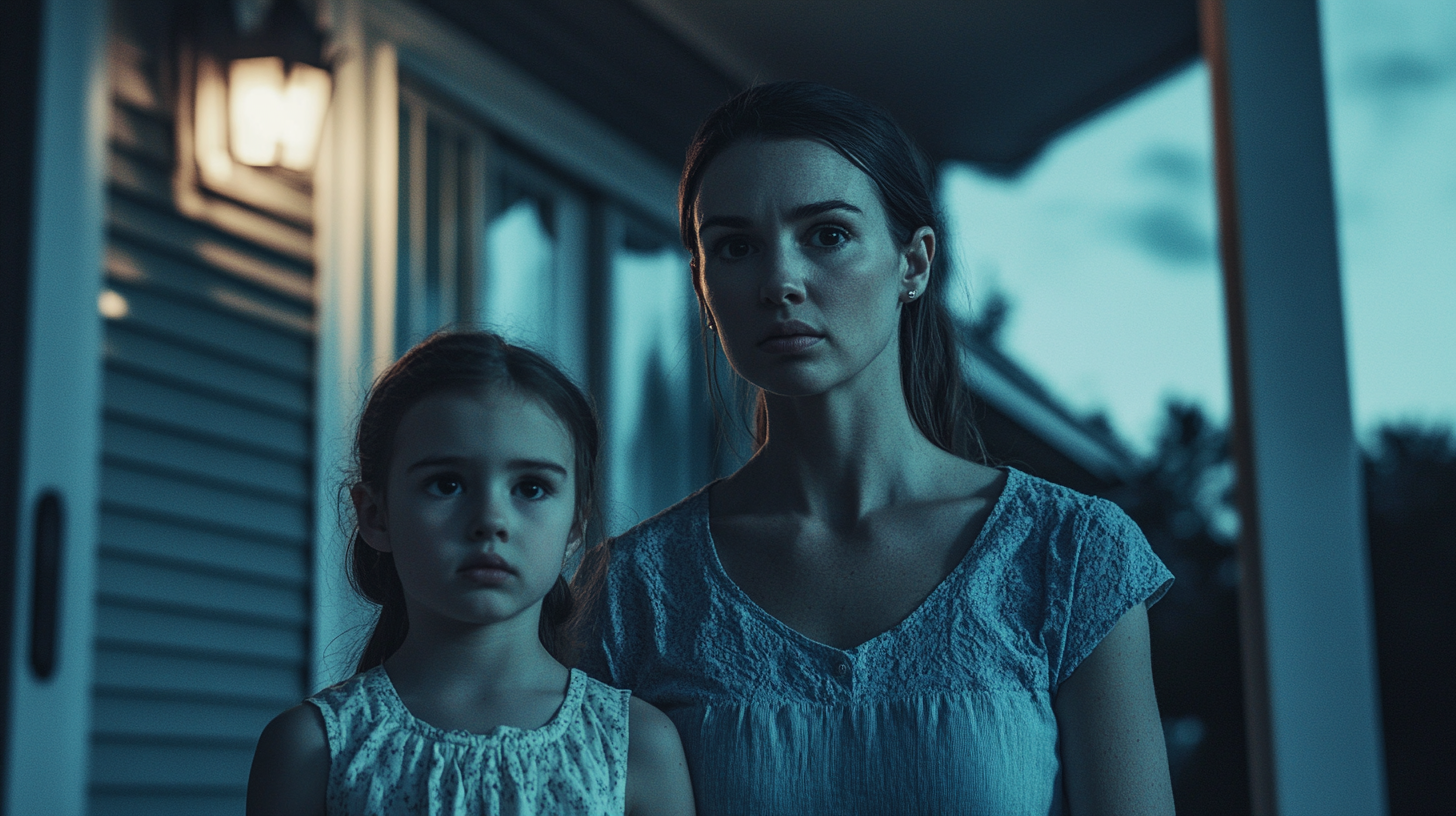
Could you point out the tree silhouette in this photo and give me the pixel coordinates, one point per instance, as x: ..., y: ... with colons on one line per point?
x: 1410, y: 500
x: 1182, y: 501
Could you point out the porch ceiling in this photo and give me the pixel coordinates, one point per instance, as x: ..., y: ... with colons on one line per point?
x: 988, y: 81
x: 985, y: 81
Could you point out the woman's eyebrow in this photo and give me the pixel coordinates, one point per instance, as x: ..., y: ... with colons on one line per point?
x: 730, y: 221
x: 798, y: 213
x: 820, y: 207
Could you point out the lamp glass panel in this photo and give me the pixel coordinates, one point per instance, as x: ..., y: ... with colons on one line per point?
x: 256, y: 111
x: 305, y: 101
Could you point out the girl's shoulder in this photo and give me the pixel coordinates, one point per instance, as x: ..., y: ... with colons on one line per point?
x: 290, y: 768
x: 606, y: 704
x: 368, y: 685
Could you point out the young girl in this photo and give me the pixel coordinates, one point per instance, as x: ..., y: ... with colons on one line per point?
x: 475, y: 479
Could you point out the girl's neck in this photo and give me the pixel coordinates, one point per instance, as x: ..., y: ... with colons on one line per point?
x: 466, y: 661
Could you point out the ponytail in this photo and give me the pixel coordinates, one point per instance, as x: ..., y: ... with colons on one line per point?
x: 555, y: 631
x: 373, y: 575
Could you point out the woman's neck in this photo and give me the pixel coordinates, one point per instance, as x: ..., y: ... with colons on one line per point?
x: 846, y: 453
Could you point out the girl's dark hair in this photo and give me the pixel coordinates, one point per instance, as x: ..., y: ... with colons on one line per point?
x: 457, y: 360
x: 930, y: 375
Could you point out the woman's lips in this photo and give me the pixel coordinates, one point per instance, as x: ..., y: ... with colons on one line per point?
x: 789, y: 343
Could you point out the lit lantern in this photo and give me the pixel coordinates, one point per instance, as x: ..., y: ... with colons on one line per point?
x: 262, y: 93
x: 275, y: 118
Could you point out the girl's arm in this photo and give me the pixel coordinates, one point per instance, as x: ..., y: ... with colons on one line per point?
x: 657, y: 771
x: 291, y: 765
x: 1113, y: 756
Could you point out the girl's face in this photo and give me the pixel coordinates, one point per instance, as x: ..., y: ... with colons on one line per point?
x: 798, y: 268
x: 479, y: 505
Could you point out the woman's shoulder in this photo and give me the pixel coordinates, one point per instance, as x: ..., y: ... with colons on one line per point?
x: 1036, y: 507
x: 683, y: 522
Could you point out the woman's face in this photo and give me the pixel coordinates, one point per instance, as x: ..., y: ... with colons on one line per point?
x: 798, y: 268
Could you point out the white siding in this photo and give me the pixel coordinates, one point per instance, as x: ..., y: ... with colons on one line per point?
x: 206, y: 489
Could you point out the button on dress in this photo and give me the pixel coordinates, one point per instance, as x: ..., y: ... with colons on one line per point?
x: 948, y: 712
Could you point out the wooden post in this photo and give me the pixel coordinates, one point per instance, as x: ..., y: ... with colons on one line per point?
x: 1309, y: 655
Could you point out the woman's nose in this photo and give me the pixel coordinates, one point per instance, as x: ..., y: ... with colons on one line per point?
x: 783, y: 281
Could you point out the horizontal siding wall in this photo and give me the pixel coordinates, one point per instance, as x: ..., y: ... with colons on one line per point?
x: 203, y: 602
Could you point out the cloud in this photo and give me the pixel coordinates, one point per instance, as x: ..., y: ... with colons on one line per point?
x: 1398, y: 72
x: 1177, y: 166
x: 1170, y: 234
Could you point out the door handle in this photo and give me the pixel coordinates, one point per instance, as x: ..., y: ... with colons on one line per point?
x: 45, y: 600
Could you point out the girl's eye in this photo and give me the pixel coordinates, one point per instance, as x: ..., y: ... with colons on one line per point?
x: 828, y: 237
x: 445, y: 485
x: 532, y: 491
x: 732, y: 249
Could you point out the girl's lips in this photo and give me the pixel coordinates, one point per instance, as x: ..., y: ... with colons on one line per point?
x: 487, y: 576
x: 487, y: 569
x: 790, y: 343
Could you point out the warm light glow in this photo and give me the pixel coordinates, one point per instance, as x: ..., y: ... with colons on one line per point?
x: 305, y: 101
x: 112, y: 305
x: 255, y: 110
x: 273, y: 120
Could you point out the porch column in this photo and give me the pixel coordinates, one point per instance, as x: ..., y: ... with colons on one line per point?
x: 1308, y: 634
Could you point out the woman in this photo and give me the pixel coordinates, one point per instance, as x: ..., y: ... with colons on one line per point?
x: 863, y: 619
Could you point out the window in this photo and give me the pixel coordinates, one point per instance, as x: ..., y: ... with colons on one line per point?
x: 491, y: 236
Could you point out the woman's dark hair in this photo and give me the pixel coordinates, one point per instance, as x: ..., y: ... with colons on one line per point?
x: 452, y: 361
x: 930, y: 375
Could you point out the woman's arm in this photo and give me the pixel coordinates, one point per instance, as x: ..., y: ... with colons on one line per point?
x: 291, y: 765
x: 657, y: 771
x: 1113, y: 756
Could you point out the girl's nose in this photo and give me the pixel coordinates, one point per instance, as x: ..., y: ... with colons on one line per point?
x: 489, y: 521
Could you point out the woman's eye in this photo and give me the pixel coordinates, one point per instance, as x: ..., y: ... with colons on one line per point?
x: 828, y: 236
x: 732, y: 249
x: 445, y: 485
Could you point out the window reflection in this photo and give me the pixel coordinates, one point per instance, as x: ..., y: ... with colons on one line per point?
x: 534, y: 278
x: 653, y: 434
x: 520, y: 259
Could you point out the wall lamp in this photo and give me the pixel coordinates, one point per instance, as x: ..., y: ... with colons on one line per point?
x: 261, y: 94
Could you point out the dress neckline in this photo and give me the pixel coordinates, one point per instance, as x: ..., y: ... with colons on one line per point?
x: 378, y: 679
x: 702, y: 516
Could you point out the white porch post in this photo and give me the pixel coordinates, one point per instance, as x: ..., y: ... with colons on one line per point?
x: 1310, y: 675
x: 53, y: 596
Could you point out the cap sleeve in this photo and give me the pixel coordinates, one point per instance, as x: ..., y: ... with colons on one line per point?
x: 1102, y: 567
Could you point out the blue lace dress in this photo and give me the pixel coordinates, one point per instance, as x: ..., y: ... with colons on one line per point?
x: 948, y: 712
x: 383, y: 760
